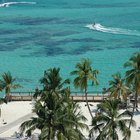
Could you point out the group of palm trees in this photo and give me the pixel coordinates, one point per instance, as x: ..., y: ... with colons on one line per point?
x: 59, y: 117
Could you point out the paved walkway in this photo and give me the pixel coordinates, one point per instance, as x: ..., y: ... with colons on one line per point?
x: 15, y: 123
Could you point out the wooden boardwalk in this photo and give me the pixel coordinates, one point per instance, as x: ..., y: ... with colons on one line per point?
x: 28, y: 96
x: 90, y: 98
x: 21, y: 98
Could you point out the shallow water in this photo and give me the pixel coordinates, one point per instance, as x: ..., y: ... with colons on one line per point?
x: 50, y: 33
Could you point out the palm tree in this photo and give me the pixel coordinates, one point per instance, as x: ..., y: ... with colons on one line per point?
x: 68, y: 124
x: 133, y: 78
x: 7, y: 83
x: 53, y: 82
x: 133, y: 74
x: 84, y: 73
x: 56, y: 118
x: 73, y: 119
x: 118, y: 89
x: 56, y: 115
x: 110, y: 120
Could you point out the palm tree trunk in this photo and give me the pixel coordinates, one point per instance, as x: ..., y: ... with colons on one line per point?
x: 60, y: 137
x: 132, y: 115
x: 89, y: 108
x: 7, y: 91
x: 88, y: 103
x: 49, y: 134
x: 113, y: 138
x: 136, y: 100
x: 134, y: 106
x: 7, y: 97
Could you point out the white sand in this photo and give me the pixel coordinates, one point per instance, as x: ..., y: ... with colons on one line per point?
x: 135, y: 131
x: 11, y: 112
x: 15, y: 110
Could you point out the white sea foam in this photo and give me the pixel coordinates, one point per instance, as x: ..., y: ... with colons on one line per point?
x: 99, y: 27
x: 7, y: 4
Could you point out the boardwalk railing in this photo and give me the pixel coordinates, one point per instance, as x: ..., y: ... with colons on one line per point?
x: 90, y: 97
x: 75, y: 96
x: 22, y: 96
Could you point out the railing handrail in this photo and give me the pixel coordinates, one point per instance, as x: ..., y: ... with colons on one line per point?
x: 71, y: 91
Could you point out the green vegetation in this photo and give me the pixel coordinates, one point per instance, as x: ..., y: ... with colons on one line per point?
x: 118, y: 89
x: 7, y: 83
x: 59, y: 117
x: 110, y: 121
x: 84, y: 73
x: 133, y: 74
x: 133, y: 78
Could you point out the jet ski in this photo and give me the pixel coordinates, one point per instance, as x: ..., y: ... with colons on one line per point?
x: 94, y: 24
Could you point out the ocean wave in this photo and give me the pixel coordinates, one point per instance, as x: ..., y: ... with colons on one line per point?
x: 7, y: 4
x: 100, y: 28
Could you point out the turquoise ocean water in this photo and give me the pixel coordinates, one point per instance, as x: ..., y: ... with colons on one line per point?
x: 35, y: 37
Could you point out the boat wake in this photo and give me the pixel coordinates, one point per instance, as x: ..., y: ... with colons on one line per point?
x: 7, y: 4
x: 100, y: 28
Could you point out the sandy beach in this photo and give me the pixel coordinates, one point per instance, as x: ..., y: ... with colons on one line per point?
x: 13, y: 113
